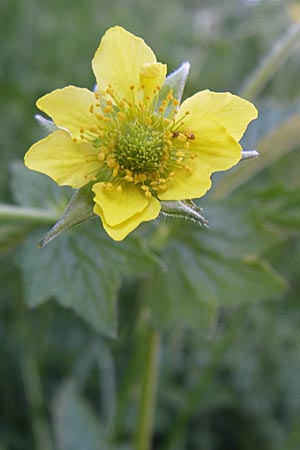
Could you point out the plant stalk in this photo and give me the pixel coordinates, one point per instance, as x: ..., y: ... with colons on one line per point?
x: 148, y: 394
x: 27, y: 214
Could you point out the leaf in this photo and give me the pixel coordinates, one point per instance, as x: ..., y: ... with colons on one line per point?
x: 11, y: 235
x: 197, y: 280
x: 81, y: 270
x: 76, y: 426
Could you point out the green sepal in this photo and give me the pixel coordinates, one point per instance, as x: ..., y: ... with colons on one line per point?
x: 47, y: 125
x: 175, y: 82
x: 79, y: 209
x: 184, y: 209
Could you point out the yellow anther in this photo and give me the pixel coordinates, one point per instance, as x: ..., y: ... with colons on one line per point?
x: 119, y: 188
x: 188, y: 169
x: 111, y: 162
x: 181, y: 137
x: 96, y: 95
x: 107, y: 109
x: 100, y: 116
x: 121, y: 115
x: 91, y: 108
x: 109, y: 186
x: 179, y: 160
x: 109, y: 102
x: 74, y: 139
x: 187, y: 145
x: 175, y: 102
x: 101, y: 156
x: 116, y: 170
x: 132, y: 87
x: 145, y: 188
x: 81, y: 130
x: 148, y: 194
x: 128, y: 178
x: 93, y: 129
x: 97, y: 104
x: 180, y: 154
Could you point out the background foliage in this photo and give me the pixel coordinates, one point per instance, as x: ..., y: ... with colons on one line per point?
x: 226, y: 299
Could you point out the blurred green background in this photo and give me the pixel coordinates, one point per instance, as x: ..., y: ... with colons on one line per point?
x: 235, y: 387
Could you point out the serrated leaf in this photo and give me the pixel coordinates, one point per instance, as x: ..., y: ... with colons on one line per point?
x: 197, y: 280
x: 76, y: 425
x: 80, y: 269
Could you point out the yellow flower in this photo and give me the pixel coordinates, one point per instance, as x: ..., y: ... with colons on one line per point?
x: 134, y: 147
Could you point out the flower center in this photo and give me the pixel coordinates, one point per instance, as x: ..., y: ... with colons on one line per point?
x: 138, y: 141
x: 139, y: 147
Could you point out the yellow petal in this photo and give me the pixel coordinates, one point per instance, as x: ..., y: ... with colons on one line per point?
x: 151, y: 76
x: 118, y: 206
x: 186, y: 186
x: 70, y: 108
x: 64, y: 161
x: 119, y: 232
x: 215, y: 147
x: 119, y: 59
x: 230, y: 111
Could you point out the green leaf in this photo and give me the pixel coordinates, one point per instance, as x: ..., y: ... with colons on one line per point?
x: 11, y: 235
x: 76, y: 425
x: 196, y: 280
x: 80, y: 269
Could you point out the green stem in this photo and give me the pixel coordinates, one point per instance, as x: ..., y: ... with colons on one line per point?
x: 278, y: 54
x: 148, y: 394
x: 27, y: 214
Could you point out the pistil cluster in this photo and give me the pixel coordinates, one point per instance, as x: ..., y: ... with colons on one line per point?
x: 138, y: 140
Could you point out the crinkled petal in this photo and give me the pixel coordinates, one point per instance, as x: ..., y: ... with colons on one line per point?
x: 70, y: 108
x: 188, y: 185
x: 151, y: 76
x: 120, y: 231
x: 215, y: 147
x: 118, y: 206
x: 230, y: 111
x: 119, y: 59
x: 64, y: 161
